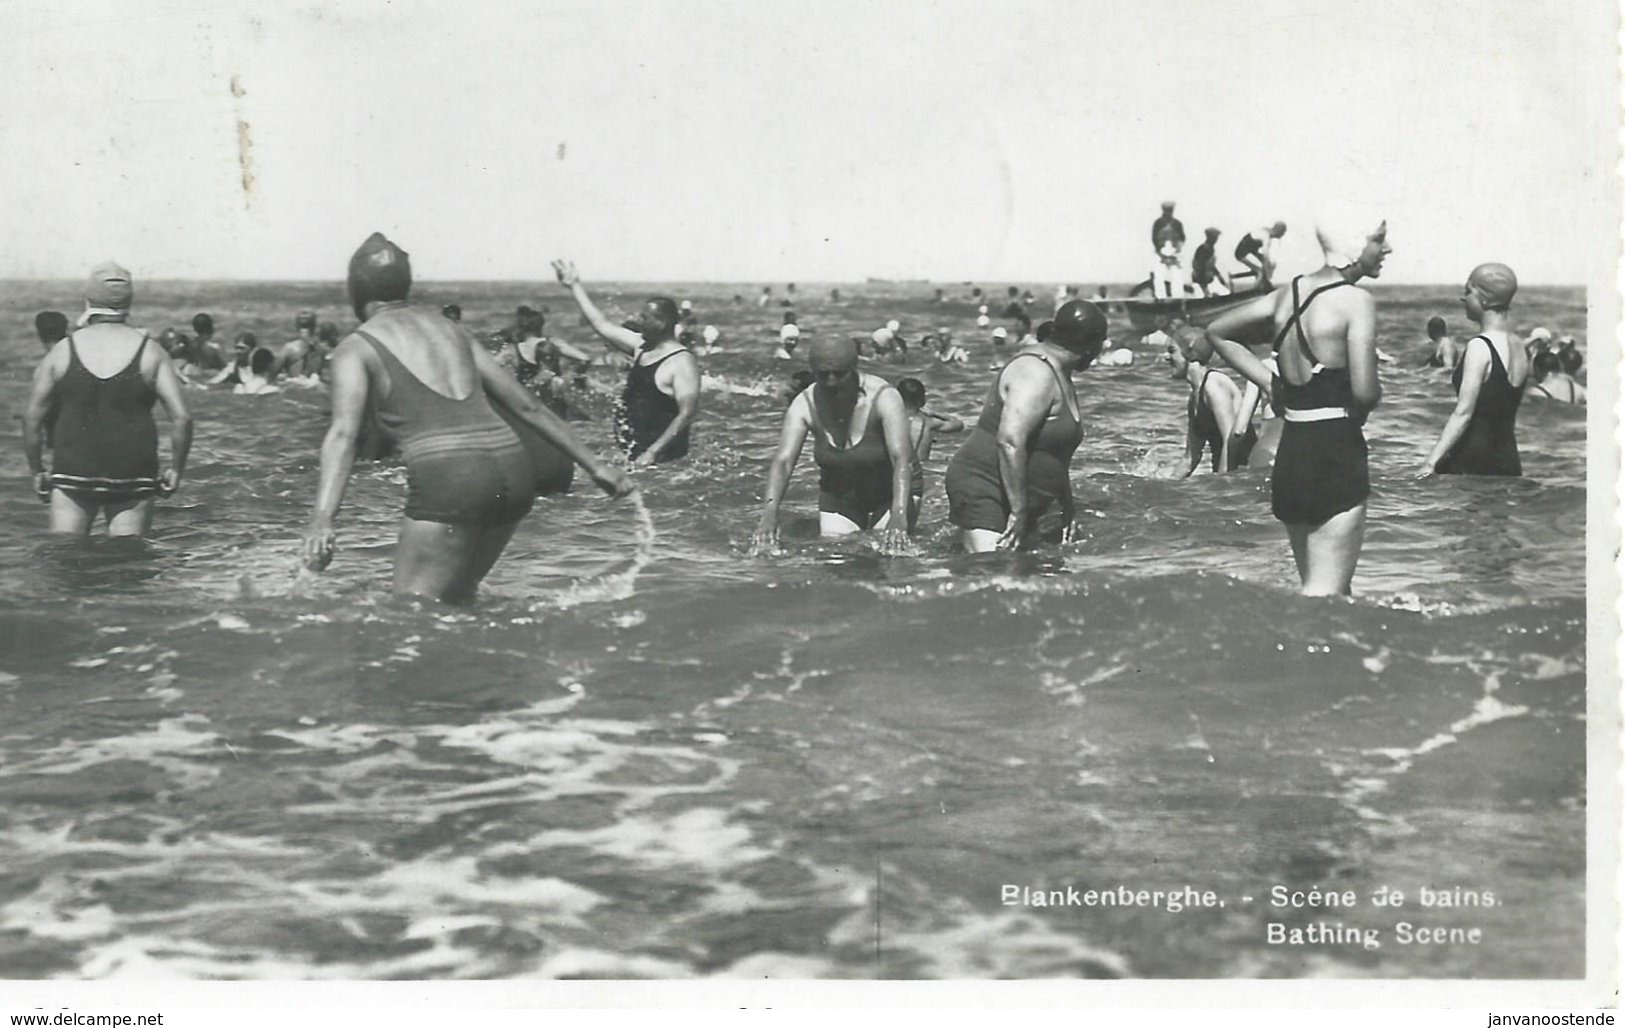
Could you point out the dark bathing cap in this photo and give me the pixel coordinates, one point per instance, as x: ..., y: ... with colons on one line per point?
x: 202, y: 324
x: 51, y: 325
x: 109, y: 287
x: 306, y: 319
x: 1495, y: 285
x: 1079, y: 327
x: 328, y: 333
x: 380, y: 272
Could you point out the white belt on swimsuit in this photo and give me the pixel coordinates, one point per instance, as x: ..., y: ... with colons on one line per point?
x: 1316, y: 414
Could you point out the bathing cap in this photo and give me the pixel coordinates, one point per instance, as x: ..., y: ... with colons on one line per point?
x: 711, y: 334
x: 894, y: 325
x: 50, y: 325
x: 1495, y: 285
x: 202, y: 324
x: 1045, y: 330
x: 1079, y: 327
x: 380, y: 271
x: 1343, y: 230
x: 686, y: 305
x: 1000, y: 333
x: 109, y: 287
x: 328, y: 333
x: 1436, y: 326
x: 1541, y: 334
x: 306, y: 319
x: 1212, y: 233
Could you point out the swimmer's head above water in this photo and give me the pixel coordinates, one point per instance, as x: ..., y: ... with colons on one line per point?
x: 50, y: 326
x: 380, y: 272
x: 1080, y: 329
x: 109, y: 288
x: 658, y: 319
x: 305, y: 320
x: 452, y: 312
x: 203, y: 325
x: 834, y: 365
x: 1351, y: 236
x: 1490, y: 287
x: 912, y: 390
x: 1436, y: 327
x: 328, y: 333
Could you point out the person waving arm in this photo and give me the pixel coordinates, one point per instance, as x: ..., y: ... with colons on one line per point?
x: 620, y: 338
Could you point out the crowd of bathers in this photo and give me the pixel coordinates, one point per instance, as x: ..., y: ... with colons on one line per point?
x: 482, y: 424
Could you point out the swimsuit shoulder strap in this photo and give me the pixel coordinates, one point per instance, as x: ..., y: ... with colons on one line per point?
x: 1055, y: 373
x: 1295, y: 322
x: 398, y: 371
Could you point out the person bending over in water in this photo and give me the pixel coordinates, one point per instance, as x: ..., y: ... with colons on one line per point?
x: 861, y: 445
x: 1016, y: 462
x: 662, y: 394
x: 1446, y: 354
x: 1213, y: 415
x: 1257, y: 251
x: 1550, y: 382
x: 1479, y: 437
x: 1325, y: 342
x: 924, y: 426
x: 948, y: 351
x: 469, y: 477
x: 102, y: 385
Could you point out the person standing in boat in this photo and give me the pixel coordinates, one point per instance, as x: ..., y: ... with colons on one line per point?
x: 1205, y: 270
x: 1479, y: 436
x: 662, y: 395
x: 1167, y: 232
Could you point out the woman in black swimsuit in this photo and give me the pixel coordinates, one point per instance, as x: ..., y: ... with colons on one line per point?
x: 1325, y: 346
x: 1478, y: 437
x: 1212, y: 414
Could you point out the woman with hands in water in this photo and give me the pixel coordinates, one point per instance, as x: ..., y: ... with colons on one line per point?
x: 1325, y: 346
x: 1017, y: 461
x: 861, y: 445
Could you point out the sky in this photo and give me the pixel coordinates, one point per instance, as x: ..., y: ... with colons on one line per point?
x: 820, y: 141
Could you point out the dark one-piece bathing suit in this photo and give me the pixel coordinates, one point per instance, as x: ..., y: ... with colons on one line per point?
x: 106, y: 442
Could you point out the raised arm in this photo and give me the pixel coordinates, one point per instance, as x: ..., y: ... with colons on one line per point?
x: 792, y: 435
x: 40, y: 395
x: 1475, y: 369
x: 622, y: 339
x: 502, y: 387
x: 681, y: 375
x: 172, y: 394
x: 348, y: 388
x: 1228, y: 324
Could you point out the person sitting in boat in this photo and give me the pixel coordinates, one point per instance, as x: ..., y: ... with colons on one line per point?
x: 1205, y: 271
x: 1257, y: 251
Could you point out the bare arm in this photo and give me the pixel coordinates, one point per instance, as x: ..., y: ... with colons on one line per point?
x: 1027, y: 394
x: 900, y: 448
x: 1362, y: 352
x: 172, y: 394
x: 622, y: 339
x: 1475, y: 368
x: 40, y: 395
x: 947, y: 424
x: 349, y: 388
x: 500, y: 385
x: 1259, y: 309
x: 569, y: 350
x: 684, y: 381
x: 792, y: 435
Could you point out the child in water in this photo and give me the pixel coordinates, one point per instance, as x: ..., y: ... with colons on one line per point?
x: 923, y: 425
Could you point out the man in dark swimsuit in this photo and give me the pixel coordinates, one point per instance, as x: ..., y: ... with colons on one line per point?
x: 662, y: 394
x: 1205, y: 267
